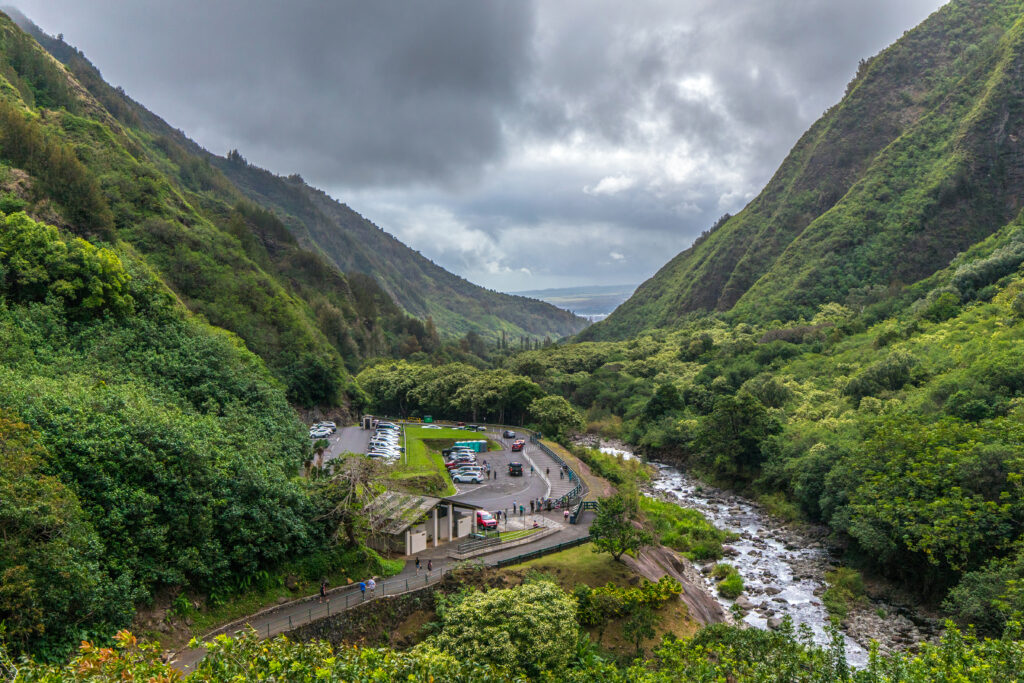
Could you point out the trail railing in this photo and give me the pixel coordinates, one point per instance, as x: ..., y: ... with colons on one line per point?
x: 575, y: 495
x: 352, y: 597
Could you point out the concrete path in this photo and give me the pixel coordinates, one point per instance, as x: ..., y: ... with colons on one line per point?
x: 283, y: 618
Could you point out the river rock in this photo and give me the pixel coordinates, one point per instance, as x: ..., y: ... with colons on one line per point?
x: 281, y: 600
x: 774, y: 623
x: 772, y: 590
x: 291, y: 582
x: 743, y: 602
x: 729, y: 551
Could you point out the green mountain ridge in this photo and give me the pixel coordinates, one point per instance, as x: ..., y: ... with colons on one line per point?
x: 918, y: 162
x: 348, y: 240
x: 420, y: 287
x: 250, y: 268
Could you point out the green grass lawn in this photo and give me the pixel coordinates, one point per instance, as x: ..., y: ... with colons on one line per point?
x: 423, y: 453
x: 507, y: 536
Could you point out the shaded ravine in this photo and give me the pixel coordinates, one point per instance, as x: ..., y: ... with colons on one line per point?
x: 782, y: 568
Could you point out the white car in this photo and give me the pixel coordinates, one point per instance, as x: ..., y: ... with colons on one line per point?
x: 468, y: 478
x: 432, y: 427
x: 319, y: 433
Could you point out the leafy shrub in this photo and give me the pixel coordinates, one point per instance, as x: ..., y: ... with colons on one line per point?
x: 36, y: 263
x: 890, y: 374
x: 683, y: 529
x: 731, y: 586
x: 1001, y: 262
x: 845, y: 585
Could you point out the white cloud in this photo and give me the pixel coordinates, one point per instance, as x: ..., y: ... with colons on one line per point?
x: 611, y: 185
x: 616, y: 255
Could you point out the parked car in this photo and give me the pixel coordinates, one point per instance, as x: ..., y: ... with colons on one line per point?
x: 485, y: 520
x: 518, y: 444
x: 454, y: 465
x: 515, y: 469
x: 467, y: 478
x: 319, y: 433
x: 509, y: 434
x: 431, y: 427
x: 327, y: 424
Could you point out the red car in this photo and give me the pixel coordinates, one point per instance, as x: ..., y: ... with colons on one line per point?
x: 518, y: 444
x: 485, y: 520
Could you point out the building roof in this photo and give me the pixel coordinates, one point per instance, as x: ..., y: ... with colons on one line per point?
x: 392, y: 512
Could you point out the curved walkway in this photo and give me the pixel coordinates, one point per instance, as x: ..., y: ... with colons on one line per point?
x: 282, y: 618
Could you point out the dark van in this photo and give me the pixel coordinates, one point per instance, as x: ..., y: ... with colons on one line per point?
x: 515, y: 469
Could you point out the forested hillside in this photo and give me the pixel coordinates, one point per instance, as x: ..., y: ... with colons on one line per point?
x: 82, y: 156
x: 919, y: 161
x: 156, y: 330
x: 331, y: 230
x: 422, y: 288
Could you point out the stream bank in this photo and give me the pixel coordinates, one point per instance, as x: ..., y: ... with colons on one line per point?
x: 783, y: 568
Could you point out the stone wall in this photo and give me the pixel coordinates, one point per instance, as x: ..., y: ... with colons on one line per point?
x: 369, y: 623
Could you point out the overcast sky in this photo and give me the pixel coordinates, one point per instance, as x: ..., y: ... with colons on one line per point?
x: 520, y: 144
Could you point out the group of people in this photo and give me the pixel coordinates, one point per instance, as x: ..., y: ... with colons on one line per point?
x: 369, y: 585
x: 536, y: 505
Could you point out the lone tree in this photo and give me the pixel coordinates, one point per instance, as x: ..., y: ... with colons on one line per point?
x: 617, y: 528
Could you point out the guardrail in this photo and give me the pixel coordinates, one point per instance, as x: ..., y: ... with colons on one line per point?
x: 541, y: 552
x: 351, y: 597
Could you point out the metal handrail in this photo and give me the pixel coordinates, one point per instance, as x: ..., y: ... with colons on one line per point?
x: 478, y: 543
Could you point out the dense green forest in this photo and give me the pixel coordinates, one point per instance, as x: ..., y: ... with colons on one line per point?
x: 141, y: 449
x: 849, y: 349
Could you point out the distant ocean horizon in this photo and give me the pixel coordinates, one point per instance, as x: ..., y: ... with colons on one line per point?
x: 594, y: 302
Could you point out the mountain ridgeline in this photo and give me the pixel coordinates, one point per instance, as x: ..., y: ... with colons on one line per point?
x: 329, y: 228
x: 920, y: 160
x: 310, y: 286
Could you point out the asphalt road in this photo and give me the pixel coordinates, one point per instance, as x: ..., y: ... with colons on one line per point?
x: 501, y: 493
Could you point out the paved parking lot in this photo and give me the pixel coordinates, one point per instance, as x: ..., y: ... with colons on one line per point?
x: 494, y: 494
x: 347, y: 440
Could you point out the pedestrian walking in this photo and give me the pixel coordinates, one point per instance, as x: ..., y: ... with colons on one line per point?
x: 362, y: 588
x: 565, y: 514
x: 417, y: 565
x: 515, y: 506
x: 372, y: 585
x: 561, y: 474
x: 522, y: 510
x: 323, y: 590
x: 531, y: 507
x: 430, y: 566
x: 531, y: 470
x: 547, y: 471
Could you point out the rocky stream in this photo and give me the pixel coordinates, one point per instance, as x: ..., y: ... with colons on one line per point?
x: 783, y: 568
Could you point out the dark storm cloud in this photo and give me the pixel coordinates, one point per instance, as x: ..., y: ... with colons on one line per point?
x: 343, y: 92
x: 579, y: 140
